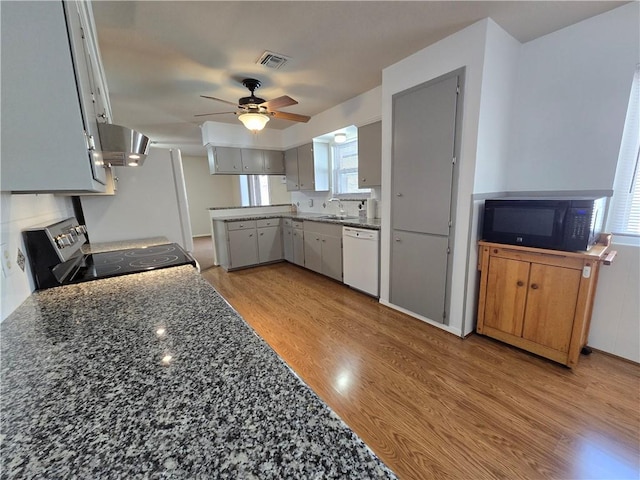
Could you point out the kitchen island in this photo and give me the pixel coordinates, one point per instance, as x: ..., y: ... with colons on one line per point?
x: 154, y: 375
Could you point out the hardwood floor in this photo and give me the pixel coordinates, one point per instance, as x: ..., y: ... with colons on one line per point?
x: 432, y: 405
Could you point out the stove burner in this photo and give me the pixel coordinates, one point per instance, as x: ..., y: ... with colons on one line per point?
x: 112, y: 260
x: 154, y: 261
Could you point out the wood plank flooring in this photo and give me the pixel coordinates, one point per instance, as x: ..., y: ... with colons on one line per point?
x: 432, y: 405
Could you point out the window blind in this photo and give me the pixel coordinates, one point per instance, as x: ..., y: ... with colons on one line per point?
x: 624, y: 213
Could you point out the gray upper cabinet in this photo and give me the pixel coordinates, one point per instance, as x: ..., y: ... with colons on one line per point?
x: 273, y: 162
x: 252, y: 160
x: 291, y: 169
x: 370, y: 155
x: 49, y: 139
x: 225, y: 160
x: 307, y: 167
x: 245, y: 161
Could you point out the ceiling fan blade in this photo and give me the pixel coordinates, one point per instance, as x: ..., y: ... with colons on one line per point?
x: 219, y: 100
x: 290, y: 116
x: 280, y: 102
x: 215, y: 113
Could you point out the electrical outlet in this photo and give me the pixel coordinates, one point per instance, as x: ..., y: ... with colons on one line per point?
x: 7, y: 264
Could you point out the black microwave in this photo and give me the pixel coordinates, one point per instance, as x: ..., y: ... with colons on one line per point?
x: 569, y: 224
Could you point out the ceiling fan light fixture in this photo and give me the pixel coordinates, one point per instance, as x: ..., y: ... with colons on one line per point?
x: 254, y: 121
x: 340, y: 137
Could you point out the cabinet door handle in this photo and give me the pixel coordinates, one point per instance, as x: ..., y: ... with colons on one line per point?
x: 397, y: 239
x: 251, y: 235
x: 534, y: 286
x: 520, y: 283
x: 364, y: 180
x: 398, y: 194
x: 261, y: 233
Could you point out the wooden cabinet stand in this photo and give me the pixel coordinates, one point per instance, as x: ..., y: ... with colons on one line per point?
x: 536, y: 299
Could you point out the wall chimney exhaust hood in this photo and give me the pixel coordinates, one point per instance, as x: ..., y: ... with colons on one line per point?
x: 121, y: 146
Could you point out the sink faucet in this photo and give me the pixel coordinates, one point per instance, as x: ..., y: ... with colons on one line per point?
x: 342, y: 212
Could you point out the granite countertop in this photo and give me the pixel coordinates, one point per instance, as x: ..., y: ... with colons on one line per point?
x: 154, y: 375
x: 370, y: 223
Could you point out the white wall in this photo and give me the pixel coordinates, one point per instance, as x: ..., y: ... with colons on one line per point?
x: 570, y: 105
x: 205, y: 190
x: 20, y: 212
x: 150, y: 202
x: 569, y: 110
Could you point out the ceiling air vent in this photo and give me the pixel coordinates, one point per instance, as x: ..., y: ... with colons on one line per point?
x: 273, y: 60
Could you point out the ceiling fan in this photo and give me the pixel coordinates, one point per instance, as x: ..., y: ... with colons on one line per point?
x: 254, y: 112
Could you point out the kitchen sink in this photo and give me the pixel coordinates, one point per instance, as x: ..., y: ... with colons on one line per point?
x: 338, y: 217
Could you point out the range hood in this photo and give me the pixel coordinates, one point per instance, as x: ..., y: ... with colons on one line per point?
x: 121, y: 146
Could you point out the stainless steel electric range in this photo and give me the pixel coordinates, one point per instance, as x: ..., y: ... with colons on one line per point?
x: 55, y: 254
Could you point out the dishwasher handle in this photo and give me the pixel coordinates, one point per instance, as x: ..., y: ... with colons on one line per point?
x: 359, y: 233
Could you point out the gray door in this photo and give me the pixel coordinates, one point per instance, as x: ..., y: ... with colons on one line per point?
x: 252, y: 161
x: 424, y: 123
x: 423, y: 179
x: 291, y: 169
x: 243, y: 248
x: 332, y: 256
x: 287, y: 241
x: 298, y: 246
x: 313, y: 251
x: 269, y: 244
x: 418, y: 275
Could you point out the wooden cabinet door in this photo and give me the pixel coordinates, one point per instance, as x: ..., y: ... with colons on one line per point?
x: 313, y: 251
x: 298, y: 246
x: 291, y: 169
x: 252, y: 161
x: 332, y: 256
x: 269, y: 244
x: 273, y: 162
x: 551, y: 305
x: 370, y: 155
x: 306, y: 167
x: 507, y: 286
x: 243, y: 248
x: 227, y: 160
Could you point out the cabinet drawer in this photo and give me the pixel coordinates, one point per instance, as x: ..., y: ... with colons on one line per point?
x: 554, y: 259
x: 241, y: 225
x: 268, y: 222
x: 297, y: 224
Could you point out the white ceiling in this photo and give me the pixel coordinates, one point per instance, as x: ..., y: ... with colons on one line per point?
x: 160, y: 56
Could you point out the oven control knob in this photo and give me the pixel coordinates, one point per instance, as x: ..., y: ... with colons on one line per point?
x: 80, y: 229
x: 64, y: 240
x: 58, y: 240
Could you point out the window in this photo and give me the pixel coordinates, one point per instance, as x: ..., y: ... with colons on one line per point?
x: 345, y: 169
x: 624, y: 214
x: 254, y: 190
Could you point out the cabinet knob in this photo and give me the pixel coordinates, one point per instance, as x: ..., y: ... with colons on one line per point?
x: 534, y: 286
x: 364, y: 180
x: 397, y: 239
x: 398, y: 194
x: 520, y: 283
x: 251, y: 234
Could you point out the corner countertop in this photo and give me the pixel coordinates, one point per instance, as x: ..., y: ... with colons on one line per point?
x: 370, y: 223
x: 154, y: 375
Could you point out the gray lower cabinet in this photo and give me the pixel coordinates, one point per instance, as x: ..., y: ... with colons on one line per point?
x: 287, y: 242
x: 269, y: 241
x: 244, y: 243
x: 298, y: 243
x: 243, y: 248
x: 323, y: 248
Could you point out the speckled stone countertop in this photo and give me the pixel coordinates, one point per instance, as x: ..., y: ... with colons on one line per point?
x: 370, y: 223
x: 153, y: 375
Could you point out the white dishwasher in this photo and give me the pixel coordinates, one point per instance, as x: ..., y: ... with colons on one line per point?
x: 361, y: 259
